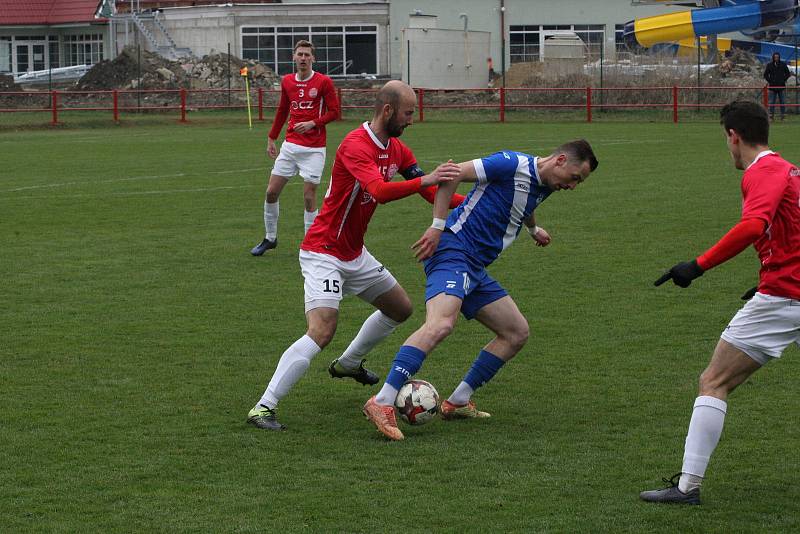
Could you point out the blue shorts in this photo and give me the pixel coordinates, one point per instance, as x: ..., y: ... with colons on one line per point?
x: 450, y: 271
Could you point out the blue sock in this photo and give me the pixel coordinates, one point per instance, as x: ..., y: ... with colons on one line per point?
x: 406, y: 363
x: 483, y: 369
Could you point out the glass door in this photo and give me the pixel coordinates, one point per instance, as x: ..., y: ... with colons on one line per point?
x: 38, y: 56
x: 22, y: 57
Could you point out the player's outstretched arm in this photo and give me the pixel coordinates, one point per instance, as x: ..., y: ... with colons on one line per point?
x: 426, y: 245
x: 445, y: 173
x: 741, y: 236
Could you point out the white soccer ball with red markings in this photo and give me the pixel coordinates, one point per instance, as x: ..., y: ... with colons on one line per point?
x: 417, y: 402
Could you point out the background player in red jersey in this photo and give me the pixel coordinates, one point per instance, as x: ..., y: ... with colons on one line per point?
x: 309, y: 100
x: 333, y: 258
x: 770, y: 321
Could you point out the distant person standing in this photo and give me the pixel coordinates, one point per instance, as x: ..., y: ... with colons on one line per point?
x: 776, y: 74
x: 309, y: 100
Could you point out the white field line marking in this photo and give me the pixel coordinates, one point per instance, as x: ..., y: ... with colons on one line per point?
x: 25, y: 139
x: 127, y: 179
x: 133, y: 193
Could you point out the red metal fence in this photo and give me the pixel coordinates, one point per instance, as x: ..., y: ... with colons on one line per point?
x: 586, y: 101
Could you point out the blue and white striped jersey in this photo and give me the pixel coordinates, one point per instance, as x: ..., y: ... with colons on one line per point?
x: 490, y: 218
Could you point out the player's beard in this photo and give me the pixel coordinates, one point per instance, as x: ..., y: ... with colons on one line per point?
x: 393, y: 127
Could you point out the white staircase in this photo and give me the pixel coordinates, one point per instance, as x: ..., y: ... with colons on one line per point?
x: 152, y: 28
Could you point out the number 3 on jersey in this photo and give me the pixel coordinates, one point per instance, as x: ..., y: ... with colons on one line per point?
x: 331, y: 286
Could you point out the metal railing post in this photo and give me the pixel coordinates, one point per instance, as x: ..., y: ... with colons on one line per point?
x: 588, y: 104
x: 183, y: 105
x: 54, y: 98
x: 502, y: 104
x: 675, y: 104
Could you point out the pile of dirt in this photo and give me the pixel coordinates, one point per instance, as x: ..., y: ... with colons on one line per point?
x: 7, y: 83
x: 738, y: 68
x: 141, y: 69
x: 537, y: 74
x: 522, y: 74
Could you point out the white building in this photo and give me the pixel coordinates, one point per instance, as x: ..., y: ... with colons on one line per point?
x: 363, y: 37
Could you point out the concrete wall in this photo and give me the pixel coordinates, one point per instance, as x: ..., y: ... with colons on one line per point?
x: 484, y: 15
x: 450, y: 59
x: 211, y: 28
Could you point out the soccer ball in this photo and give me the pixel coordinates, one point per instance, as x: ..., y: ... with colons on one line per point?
x: 417, y: 402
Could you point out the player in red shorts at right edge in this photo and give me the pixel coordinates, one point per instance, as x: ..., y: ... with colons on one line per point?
x: 770, y: 321
x: 333, y: 258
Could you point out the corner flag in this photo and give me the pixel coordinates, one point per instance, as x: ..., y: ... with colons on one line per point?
x: 243, y: 71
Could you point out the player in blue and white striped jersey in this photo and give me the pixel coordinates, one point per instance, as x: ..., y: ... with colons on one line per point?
x: 510, y: 185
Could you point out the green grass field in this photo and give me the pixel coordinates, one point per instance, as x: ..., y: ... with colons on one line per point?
x: 137, y: 331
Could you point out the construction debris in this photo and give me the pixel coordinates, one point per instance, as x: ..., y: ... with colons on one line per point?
x: 7, y: 83
x: 141, y: 69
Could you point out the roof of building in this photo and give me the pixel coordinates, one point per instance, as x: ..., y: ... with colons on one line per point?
x: 124, y: 6
x: 45, y: 12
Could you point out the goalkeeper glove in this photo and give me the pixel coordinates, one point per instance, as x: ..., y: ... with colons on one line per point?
x: 682, y: 274
x: 750, y: 293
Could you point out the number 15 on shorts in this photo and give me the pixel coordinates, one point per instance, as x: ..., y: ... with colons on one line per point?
x: 331, y: 286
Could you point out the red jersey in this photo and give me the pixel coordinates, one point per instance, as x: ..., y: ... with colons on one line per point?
x: 341, y: 224
x: 313, y: 99
x: 771, y: 193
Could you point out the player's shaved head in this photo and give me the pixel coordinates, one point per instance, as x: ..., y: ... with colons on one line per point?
x: 392, y: 93
x: 394, y: 108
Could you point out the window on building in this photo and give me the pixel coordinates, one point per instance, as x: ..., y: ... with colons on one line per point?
x: 23, y: 58
x: 619, y: 36
x: 84, y: 49
x: 53, y: 51
x: 524, y: 44
x: 338, y: 50
x: 593, y: 36
x: 526, y: 40
x: 5, y: 54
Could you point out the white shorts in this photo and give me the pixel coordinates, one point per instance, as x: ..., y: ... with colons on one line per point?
x: 295, y: 159
x: 328, y: 279
x: 764, y: 327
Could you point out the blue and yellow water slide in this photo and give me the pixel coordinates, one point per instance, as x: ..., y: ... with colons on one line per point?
x: 764, y: 21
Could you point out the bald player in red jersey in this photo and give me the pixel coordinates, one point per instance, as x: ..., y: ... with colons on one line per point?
x: 308, y: 99
x: 333, y: 259
x: 770, y: 321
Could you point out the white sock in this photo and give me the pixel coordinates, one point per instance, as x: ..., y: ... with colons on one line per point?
x: 271, y: 212
x: 462, y: 394
x: 705, y: 429
x: 308, y: 218
x: 291, y: 367
x: 386, y: 395
x: 374, y: 330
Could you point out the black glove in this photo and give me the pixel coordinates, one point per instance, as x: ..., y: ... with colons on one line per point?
x: 682, y: 274
x: 750, y: 293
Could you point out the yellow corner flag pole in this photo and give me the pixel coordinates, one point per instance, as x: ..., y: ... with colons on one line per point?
x: 243, y: 72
